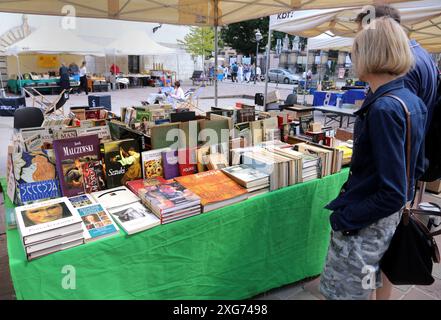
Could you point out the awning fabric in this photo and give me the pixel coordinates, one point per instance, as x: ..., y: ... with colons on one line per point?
x: 137, y: 42
x: 328, y: 41
x: 184, y: 12
x: 54, y: 40
x: 422, y: 19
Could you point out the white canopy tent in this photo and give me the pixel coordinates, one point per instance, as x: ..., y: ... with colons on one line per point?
x: 136, y: 42
x: 54, y: 40
x: 328, y: 41
x: 422, y: 19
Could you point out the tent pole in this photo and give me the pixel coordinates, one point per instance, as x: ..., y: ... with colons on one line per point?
x: 306, y: 76
x: 19, y: 74
x: 268, y: 51
x: 216, y: 44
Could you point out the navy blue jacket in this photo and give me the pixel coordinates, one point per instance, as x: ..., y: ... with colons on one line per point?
x: 376, y: 187
x: 422, y: 79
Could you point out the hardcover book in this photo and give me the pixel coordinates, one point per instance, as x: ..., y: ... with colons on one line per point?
x: 82, y: 200
x: 93, y: 176
x: 170, y: 164
x: 152, y: 163
x: 45, y: 220
x: 97, y: 222
x: 214, y: 188
x: 35, y: 176
x: 135, y: 218
x: 70, y: 154
x: 122, y: 162
x: 187, y: 161
x: 140, y: 186
x: 170, y: 196
x: 246, y: 175
x: 115, y: 197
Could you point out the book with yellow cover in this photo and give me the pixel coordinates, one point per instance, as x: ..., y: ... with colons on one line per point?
x: 215, y: 189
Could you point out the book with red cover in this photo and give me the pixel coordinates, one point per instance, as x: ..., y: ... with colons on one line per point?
x: 215, y: 189
x: 93, y: 176
x: 141, y: 186
x: 187, y: 161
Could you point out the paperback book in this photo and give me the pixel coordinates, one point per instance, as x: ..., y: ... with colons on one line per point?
x: 82, y: 200
x: 97, y: 222
x: 134, y: 218
x: 116, y: 197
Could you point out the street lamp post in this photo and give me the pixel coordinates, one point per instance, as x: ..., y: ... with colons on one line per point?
x: 258, y: 38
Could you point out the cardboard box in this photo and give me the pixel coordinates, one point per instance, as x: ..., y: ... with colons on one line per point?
x: 434, y: 186
x: 315, y: 127
x: 273, y: 96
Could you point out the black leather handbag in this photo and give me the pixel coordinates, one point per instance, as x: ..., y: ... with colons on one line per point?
x: 413, y: 250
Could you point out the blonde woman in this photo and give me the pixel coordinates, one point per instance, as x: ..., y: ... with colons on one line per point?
x: 368, y: 209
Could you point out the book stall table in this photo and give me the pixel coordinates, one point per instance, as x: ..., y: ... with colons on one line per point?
x: 235, y: 252
x: 337, y: 114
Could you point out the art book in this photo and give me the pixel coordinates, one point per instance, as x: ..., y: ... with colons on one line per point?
x: 122, y: 161
x: 187, y: 161
x: 116, y: 197
x: 152, y: 163
x: 35, y: 176
x: 46, y: 220
x: 140, y: 186
x: 170, y: 164
x: 93, y: 176
x: 170, y: 196
x: 71, y: 153
x: 246, y: 175
x: 82, y: 200
x: 134, y: 218
x: 214, y: 188
x: 97, y: 222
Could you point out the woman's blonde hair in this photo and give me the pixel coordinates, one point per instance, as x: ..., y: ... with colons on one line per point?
x: 382, y: 47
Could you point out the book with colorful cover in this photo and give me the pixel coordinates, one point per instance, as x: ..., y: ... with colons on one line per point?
x: 134, y: 218
x: 187, y: 161
x: 122, y: 161
x: 140, y: 186
x: 214, y: 188
x: 82, y: 200
x: 246, y: 175
x: 93, y: 176
x: 170, y: 164
x: 45, y: 220
x: 97, y: 222
x: 169, y: 196
x: 70, y: 154
x: 35, y: 176
x: 152, y: 163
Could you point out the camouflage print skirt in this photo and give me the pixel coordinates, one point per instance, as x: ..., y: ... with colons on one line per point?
x: 352, y: 269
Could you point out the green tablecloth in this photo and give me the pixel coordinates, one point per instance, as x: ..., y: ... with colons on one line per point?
x: 232, y: 253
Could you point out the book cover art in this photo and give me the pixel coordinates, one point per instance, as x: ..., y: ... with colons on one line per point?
x: 170, y: 164
x: 122, y: 161
x: 187, y: 161
x: 135, y: 217
x: 45, y: 216
x: 35, y: 176
x: 212, y: 186
x: 152, y: 164
x: 143, y: 115
x: 82, y: 200
x: 71, y: 153
x: 97, y: 222
x: 116, y: 197
x: 245, y: 173
x: 93, y: 176
x: 170, y: 195
x: 140, y: 186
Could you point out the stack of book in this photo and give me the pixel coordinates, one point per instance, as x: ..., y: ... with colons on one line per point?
x: 331, y: 158
x: 48, y: 227
x: 127, y: 210
x: 214, y: 188
x: 253, y: 180
x: 169, y: 200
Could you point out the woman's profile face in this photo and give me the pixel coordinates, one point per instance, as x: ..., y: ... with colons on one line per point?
x: 45, y: 214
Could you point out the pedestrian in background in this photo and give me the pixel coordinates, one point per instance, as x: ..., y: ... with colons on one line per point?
x: 83, y: 78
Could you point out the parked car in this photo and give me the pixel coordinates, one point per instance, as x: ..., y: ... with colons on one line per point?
x: 283, y: 76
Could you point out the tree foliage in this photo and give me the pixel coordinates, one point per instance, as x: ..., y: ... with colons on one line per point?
x: 199, y: 41
x: 241, y: 36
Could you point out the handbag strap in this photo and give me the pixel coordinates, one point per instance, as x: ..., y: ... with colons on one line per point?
x: 406, y: 211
